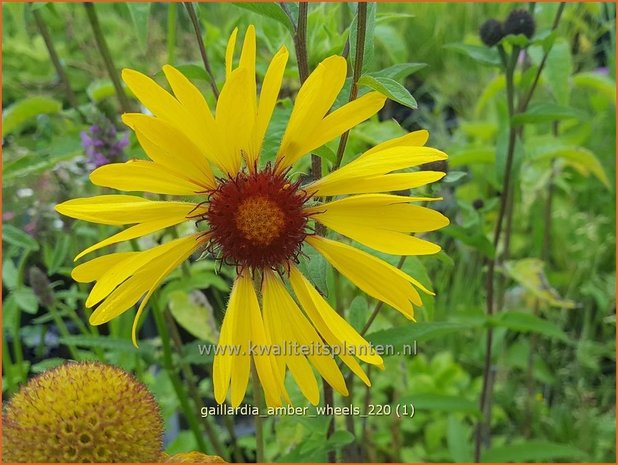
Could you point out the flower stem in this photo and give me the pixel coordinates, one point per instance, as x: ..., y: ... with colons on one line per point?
x: 107, y: 57
x: 259, y: 423
x: 361, y: 29
x: 185, y: 405
x: 171, y: 32
x: 483, y: 428
x: 200, y: 44
x: 53, y: 55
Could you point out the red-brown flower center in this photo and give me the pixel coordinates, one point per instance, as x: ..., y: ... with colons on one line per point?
x: 257, y: 220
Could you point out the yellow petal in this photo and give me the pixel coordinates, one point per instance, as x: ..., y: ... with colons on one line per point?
x: 314, y: 99
x: 328, y: 322
x: 377, y: 278
x: 338, y: 122
x: 234, y: 123
x: 144, y: 279
x: 380, y: 183
x: 222, y: 365
x: 378, y: 221
x: 268, y: 98
x: 171, y: 147
x: 145, y: 176
x: 195, y: 105
x: 412, y: 139
x: 122, y: 209
x: 379, y: 163
x: 296, y: 329
x: 160, y: 102
x: 97, y: 267
x: 247, y: 61
x: 229, y: 53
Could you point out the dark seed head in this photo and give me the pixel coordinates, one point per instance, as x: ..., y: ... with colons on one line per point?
x: 491, y: 32
x: 478, y: 204
x: 519, y: 22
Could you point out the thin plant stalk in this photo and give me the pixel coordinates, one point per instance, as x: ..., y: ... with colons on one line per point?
x: 171, y: 32
x: 361, y: 29
x: 259, y: 422
x: 106, y: 55
x: 485, y: 402
x: 200, y: 44
x: 53, y: 55
x: 185, y: 404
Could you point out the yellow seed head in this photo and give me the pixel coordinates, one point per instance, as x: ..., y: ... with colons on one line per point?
x: 82, y: 412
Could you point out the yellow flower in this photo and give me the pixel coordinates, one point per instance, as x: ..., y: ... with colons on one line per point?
x: 82, y: 412
x: 256, y: 218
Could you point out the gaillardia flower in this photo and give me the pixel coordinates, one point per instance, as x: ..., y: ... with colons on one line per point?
x: 82, y: 412
x: 256, y: 217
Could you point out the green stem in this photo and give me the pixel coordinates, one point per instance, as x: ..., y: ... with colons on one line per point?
x: 185, y: 405
x: 259, y: 423
x: 171, y: 32
x: 53, y: 55
x: 7, y: 366
x: 106, y: 55
x: 361, y: 29
x: 200, y: 44
x: 62, y: 328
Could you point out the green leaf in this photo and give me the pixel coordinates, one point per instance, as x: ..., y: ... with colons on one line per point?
x: 404, y: 337
x: 269, y: 10
x: 64, y: 148
x: 17, y: 237
x: 192, y: 71
x: 9, y: 273
x: 529, y: 273
x: 26, y: 300
x: 441, y: 403
x: 528, y: 323
x: 47, y: 364
x: 100, y: 89
x: 326, y: 152
x: 140, y: 14
x: 472, y: 237
x: 368, y: 49
x: 482, y: 55
x: 458, y: 440
x: 485, y: 154
x: 391, y: 88
x: 558, y: 69
x: 597, y: 83
x: 398, y: 71
x: 548, y: 112
x: 454, y: 176
x: 534, y: 451
x: 339, y: 439
x: 392, y: 43
x: 580, y: 158
x: 113, y: 344
x: 194, y: 313
x: 25, y: 111
x: 61, y: 250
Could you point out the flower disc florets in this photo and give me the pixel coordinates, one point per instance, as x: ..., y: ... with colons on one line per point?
x: 82, y: 412
x: 256, y: 219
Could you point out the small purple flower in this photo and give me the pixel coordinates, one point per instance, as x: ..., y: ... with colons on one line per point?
x: 102, y: 144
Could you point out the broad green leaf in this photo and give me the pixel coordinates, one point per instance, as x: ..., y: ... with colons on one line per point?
x: 597, y: 83
x: 26, y: 110
x: 194, y: 313
x: 454, y: 176
x: 339, y: 439
x: 534, y: 451
x: 472, y: 237
x: 26, y: 300
x: 100, y: 90
x: 9, y: 273
x: 529, y: 273
x: 398, y: 71
x: 140, y: 15
x: 580, y: 158
x: 17, y: 237
x: 485, y: 154
x: 193, y: 71
x: 529, y: 323
x: 391, y: 88
x: 482, y: 55
x: 558, y: 69
x: 458, y: 440
x: 327, y: 153
x: 60, y: 251
x: 403, y: 338
x: 270, y: 10
x: 368, y: 49
x: 548, y: 112
x: 392, y: 42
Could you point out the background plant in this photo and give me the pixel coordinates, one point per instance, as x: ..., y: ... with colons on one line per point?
x: 553, y: 357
